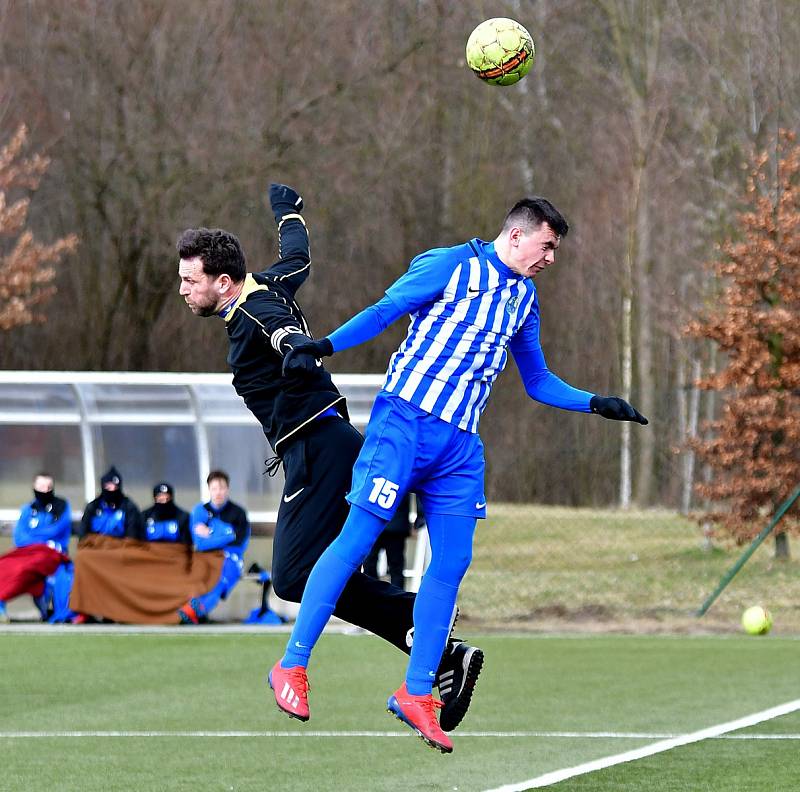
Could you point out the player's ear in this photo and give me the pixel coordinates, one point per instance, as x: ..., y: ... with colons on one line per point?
x: 514, y: 235
x: 224, y: 283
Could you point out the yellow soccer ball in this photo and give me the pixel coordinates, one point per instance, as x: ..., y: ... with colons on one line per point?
x: 500, y: 51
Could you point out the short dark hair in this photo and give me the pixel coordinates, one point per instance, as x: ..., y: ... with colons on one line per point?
x: 44, y: 474
x: 218, y: 474
x: 220, y: 251
x: 535, y: 211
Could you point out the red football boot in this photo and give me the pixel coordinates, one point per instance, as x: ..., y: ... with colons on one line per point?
x: 419, y: 712
x: 290, y: 686
x: 187, y: 614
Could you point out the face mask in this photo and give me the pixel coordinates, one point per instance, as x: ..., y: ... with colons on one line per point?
x: 43, y: 498
x: 163, y: 511
x: 113, y: 498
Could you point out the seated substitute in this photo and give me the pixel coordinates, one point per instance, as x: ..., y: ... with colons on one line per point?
x: 219, y: 524
x: 111, y: 513
x: 165, y: 521
x: 39, y: 561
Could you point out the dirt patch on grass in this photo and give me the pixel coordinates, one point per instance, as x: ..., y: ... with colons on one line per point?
x: 598, y: 619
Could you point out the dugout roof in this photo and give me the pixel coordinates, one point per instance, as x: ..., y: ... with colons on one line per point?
x: 152, y: 426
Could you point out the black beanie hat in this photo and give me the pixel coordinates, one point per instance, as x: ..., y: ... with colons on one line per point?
x: 111, y: 476
x: 162, y: 487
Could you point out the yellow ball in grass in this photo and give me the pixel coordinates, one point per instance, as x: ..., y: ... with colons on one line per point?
x: 757, y: 620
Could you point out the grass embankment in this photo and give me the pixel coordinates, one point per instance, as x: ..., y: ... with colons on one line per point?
x: 556, y: 568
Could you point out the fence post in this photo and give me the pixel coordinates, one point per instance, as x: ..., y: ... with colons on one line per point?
x: 728, y: 576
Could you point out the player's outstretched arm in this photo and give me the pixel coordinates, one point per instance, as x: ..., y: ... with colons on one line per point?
x: 294, y: 264
x: 616, y: 409
x: 424, y: 282
x: 362, y: 327
x: 544, y: 386
x: 540, y: 383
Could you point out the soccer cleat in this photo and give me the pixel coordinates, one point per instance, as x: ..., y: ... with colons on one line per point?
x: 193, y: 612
x: 458, y: 672
x: 290, y: 686
x: 187, y: 614
x: 419, y: 712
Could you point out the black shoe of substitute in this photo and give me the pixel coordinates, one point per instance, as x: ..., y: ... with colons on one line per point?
x: 458, y: 672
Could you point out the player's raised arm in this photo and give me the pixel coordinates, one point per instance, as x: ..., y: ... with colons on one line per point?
x: 294, y: 263
x: 424, y: 282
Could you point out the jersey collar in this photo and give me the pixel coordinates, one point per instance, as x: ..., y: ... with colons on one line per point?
x: 487, y: 248
x: 250, y: 285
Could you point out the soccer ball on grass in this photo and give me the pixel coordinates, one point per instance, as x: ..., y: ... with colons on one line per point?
x: 500, y: 51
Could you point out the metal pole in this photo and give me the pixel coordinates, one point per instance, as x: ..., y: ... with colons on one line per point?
x: 87, y: 445
x: 754, y: 545
x: 201, y: 439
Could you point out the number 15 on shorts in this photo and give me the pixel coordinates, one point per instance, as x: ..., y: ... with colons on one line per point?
x: 384, y: 492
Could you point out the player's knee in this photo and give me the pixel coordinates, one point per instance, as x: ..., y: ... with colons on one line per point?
x: 289, y: 589
x: 455, y: 565
x: 357, y: 538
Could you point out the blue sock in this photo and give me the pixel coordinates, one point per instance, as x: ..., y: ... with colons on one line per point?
x: 433, y: 612
x: 451, y: 553
x: 327, y: 580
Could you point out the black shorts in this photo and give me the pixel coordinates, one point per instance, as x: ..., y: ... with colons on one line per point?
x: 318, y: 467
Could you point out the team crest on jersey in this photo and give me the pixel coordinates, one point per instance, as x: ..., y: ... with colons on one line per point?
x: 511, y: 304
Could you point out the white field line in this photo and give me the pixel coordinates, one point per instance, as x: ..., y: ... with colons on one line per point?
x: 659, y: 747
x: 10, y: 735
x: 335, y: 627
x: 173, y: 631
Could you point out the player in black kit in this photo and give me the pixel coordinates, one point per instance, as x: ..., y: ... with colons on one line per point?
x: 306, y: 423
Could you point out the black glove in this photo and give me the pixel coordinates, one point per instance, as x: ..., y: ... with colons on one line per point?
x: 616, y: 409
x: 303, y: 359
x: 284, y: 200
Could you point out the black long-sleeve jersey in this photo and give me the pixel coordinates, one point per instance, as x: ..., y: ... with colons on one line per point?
x: 259, y: 323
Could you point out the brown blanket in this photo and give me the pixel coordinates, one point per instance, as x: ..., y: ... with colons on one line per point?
x: 139, y: 582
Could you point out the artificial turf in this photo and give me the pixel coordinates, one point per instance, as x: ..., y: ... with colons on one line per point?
x: 538, y: 687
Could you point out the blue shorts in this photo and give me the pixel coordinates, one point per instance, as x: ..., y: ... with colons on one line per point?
x: 409, y: 450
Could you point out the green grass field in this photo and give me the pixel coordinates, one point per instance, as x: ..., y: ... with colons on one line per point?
x: 79, y: 712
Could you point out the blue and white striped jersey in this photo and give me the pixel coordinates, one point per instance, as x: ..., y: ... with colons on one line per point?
x: 465, y: 307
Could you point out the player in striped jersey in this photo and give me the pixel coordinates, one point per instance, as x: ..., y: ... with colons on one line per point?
x: 469, y: 305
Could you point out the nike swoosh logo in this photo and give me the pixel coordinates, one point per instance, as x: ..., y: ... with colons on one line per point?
x: 473, y: 291
x: 290, y: 498
x: 300, y: 645
x: 480, y: 505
